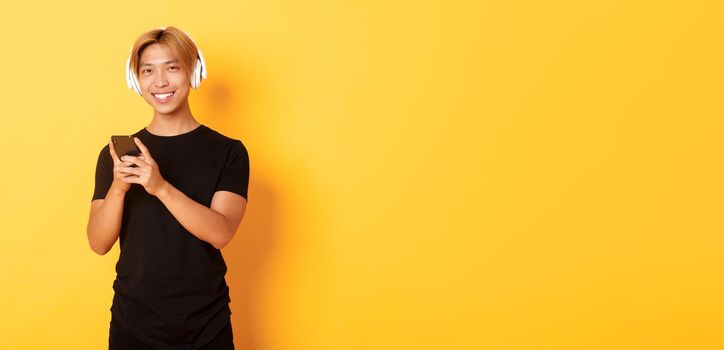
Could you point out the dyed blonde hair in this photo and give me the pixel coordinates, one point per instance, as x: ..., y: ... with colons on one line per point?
x: 180, y: 43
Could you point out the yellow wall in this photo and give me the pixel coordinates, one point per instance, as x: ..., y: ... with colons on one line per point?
x: 424, y: 175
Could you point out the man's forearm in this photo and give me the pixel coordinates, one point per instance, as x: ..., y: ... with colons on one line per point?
x: 104, y: 223
x: 202, y: 221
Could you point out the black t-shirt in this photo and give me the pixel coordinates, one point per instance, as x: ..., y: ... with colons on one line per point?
x: 170, y: 289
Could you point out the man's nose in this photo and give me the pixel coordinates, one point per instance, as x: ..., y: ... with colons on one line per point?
x: 161, y: 80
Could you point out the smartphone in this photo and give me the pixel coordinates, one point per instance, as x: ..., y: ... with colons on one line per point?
x: 125, y: 146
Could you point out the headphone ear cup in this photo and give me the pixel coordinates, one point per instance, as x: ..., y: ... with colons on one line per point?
x: 131, y: 79
x: 198, y: 73
x: 202, y: 68
x: 192, y: 78
x: 194, y: 82
x: 129, y: 83
x: 136, y: 84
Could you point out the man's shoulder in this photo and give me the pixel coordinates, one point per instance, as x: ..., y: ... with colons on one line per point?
x: 105, y: 152
x: 219, y: 138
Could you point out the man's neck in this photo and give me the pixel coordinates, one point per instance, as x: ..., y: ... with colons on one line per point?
x: 176, y: 123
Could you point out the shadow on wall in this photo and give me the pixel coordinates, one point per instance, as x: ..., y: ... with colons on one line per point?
x: 246, y: 257
x: 222, y: 101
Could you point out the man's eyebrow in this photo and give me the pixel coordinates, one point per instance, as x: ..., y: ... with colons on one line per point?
x: 167, y: 62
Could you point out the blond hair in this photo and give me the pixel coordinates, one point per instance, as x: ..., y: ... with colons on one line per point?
x: 180, y: 43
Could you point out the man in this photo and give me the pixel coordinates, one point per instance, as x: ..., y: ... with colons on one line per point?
x: 172, y: 212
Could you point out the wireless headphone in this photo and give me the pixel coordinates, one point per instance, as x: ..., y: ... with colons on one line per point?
x: 198, y: 73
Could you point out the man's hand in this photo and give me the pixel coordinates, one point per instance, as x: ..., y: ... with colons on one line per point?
x: 146, y: 174
x: 118, y: 183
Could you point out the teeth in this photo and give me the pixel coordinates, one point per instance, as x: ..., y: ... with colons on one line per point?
x: 163, y: 96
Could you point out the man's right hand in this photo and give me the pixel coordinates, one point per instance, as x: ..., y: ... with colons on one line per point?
x: 118, y: 184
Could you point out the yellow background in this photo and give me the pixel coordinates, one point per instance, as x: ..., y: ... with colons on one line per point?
x: 424, y: 175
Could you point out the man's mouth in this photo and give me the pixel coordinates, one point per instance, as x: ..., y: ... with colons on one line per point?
x: 162, y: 97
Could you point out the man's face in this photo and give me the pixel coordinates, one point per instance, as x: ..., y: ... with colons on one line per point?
x: 159, y: 74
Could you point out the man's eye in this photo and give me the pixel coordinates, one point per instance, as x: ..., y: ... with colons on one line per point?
x: 145, y: 70
x: 173, y: 67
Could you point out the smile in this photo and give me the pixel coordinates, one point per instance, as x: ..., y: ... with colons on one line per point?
x: 163, y: 97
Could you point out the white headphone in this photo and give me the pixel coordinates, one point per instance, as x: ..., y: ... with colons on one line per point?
x: 198, y: 74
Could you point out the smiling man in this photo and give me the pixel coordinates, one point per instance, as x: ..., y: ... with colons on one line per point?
x: 172, y: 212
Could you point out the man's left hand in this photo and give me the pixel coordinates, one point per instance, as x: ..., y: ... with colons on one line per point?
x: 147, y: 173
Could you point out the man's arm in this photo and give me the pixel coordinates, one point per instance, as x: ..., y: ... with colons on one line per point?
x: 104, y: 223
x: 215, y: 225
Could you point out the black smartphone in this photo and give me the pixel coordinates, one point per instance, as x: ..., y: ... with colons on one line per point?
x: 125, y: 146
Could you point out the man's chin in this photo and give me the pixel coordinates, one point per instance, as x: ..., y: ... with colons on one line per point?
x: 164, y: 109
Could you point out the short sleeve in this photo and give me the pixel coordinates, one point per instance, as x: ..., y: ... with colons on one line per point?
x: 104, y: 174
x: 234, y: 175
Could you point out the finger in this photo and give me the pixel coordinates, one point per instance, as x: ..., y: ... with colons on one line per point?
x: 126, y: 165
x: 127, y: 176
x: 121, y: 172
x: 134, y: 160
x: 113, y: 152
x: 131, y: 179
x: 129, y: 170
x: 144, y: 151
